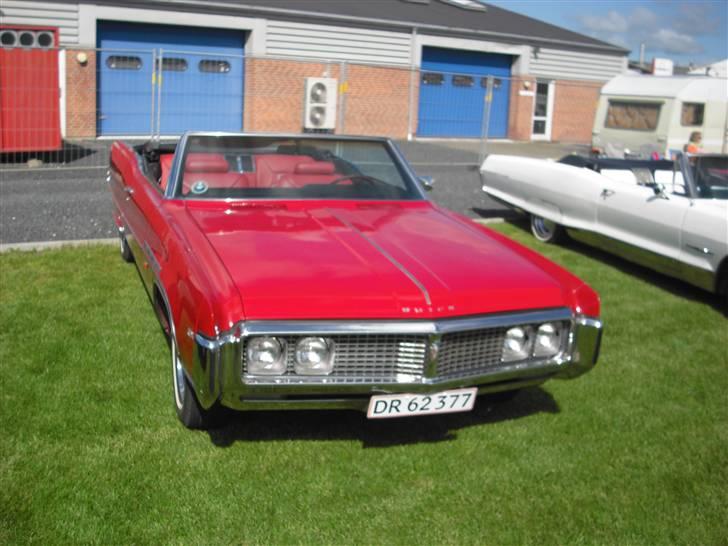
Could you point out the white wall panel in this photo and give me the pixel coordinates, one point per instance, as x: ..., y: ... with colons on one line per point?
x: 64, y: 16
x: 305, y: 40
x: 574, y: 65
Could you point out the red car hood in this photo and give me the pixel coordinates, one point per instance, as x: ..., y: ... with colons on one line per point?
x: 368, y: 261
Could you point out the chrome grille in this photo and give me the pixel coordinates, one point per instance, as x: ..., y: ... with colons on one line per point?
x: 360, y: 358
x: 469, y: 353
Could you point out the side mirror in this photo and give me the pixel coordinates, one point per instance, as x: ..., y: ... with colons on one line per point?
x: 427, y: 182
x: 659, y: 190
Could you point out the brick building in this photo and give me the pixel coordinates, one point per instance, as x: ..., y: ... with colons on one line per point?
x: 402, y: 68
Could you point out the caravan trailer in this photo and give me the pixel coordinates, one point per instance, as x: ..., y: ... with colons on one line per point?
x: 645, y: 115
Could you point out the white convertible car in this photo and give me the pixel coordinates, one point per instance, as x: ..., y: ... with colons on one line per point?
x: 671, y: 216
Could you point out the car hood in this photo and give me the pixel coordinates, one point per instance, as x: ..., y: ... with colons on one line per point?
x: 368, y: 261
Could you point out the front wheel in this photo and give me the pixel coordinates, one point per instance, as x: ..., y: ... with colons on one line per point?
x: 188, y: 408
x: 124, y: 249
x: 545, y: 230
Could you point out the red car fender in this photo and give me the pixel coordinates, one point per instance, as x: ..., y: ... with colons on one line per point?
x: 581, y: 298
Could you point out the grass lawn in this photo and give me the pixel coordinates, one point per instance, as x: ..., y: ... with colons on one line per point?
x: 635, y: 452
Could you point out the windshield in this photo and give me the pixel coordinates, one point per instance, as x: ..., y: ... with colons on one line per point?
x: 222, y: 167
x: 711, y: 176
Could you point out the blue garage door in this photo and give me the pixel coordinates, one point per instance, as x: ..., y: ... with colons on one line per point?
x: 452, y: 93
x: 169, y: 79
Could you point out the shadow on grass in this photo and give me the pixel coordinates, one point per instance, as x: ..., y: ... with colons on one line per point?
x: 353, y: 425
x: 505, y: 213
x: 672, y: 285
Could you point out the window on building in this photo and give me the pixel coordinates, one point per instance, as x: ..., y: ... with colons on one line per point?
x: 45, y: 39
x: 173, y: 64
x: 432, y: 78
x: 692, y: 114
x: 634, y: 116
x: 26, y: 39
x: 124, y: 62
x: 214, y: 65
x: 8, y: 38
x: 497, y: 82
x: 462, y: 81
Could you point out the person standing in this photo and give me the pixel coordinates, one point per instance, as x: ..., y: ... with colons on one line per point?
x: 693, y: 145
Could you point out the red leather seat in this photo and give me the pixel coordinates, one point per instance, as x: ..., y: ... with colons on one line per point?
x: 165, y: 162
x: 313, y: 172
x: 213, y: 170
x: 273, y: 170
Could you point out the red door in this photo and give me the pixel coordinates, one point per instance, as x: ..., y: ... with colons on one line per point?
x: 29, y: 91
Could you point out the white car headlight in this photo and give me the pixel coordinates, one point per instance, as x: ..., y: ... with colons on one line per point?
x: 548, y: 339
x: 517, y: 344
x: 314, y: 356
x: 266, y: 356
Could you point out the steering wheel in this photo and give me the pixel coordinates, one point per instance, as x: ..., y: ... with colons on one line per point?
x: 358, y: 178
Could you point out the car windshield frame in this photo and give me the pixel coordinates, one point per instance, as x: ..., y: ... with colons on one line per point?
x: 364, y: 186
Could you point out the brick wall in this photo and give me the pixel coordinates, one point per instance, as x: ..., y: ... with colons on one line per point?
x: 274, y: 92
x: 377, y: 101
x: 80, y: 95
x: 575, y: 105
x: 521, y: 108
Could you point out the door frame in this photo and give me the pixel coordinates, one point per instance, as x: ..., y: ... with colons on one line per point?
x: 548, y: 118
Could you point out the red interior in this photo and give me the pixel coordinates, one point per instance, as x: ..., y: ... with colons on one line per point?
x: 165, y: 162
x: 271, y: 171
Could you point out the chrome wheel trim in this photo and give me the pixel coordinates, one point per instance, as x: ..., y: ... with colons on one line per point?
x: 178, y: 374
x: 121, y: 245
x: 542, y: 229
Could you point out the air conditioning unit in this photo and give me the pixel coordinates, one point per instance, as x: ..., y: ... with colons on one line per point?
x: 320, y: 104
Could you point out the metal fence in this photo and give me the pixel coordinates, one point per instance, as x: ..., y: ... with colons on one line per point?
x: 61, y: 108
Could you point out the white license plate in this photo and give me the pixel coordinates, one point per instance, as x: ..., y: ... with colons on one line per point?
x: 405, y: 405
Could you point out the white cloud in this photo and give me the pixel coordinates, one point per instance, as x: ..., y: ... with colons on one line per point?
x: 674, y: 32
x: 671, y: 41
x: 642, y: 18
x: 613, y: 22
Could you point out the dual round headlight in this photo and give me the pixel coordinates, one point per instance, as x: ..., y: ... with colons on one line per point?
x: 268, y: 356
x: 522, y: 342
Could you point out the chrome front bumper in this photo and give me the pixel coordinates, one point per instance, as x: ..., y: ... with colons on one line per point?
x: 218, y: 373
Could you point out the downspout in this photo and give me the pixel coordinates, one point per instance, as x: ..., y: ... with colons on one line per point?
x: 413, y: 75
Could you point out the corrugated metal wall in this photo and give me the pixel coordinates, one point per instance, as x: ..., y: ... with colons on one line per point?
x: 64, y: 16
x: 573, y: 65
x: 304, y: 40
x: 338, y: 43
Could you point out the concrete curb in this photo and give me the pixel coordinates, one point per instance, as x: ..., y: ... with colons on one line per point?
x: 49, y: 245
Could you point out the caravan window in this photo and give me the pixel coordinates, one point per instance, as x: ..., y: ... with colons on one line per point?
x: 692, y: 114
x: 635, y: 116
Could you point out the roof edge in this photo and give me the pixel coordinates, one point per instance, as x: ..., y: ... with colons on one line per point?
x: 300, y: 14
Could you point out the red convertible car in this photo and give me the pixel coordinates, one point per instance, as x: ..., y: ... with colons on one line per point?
x: 310, y: 271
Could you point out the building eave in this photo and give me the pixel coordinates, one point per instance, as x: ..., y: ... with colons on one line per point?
x: 282, y: 13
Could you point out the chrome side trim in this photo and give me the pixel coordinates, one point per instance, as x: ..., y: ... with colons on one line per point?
x: 704, y: 250
x: 702, y: 278
x: 152, y: 259
x: 389, y: 257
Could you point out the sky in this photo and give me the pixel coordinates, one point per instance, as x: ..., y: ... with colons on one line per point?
x: 686, y: 31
